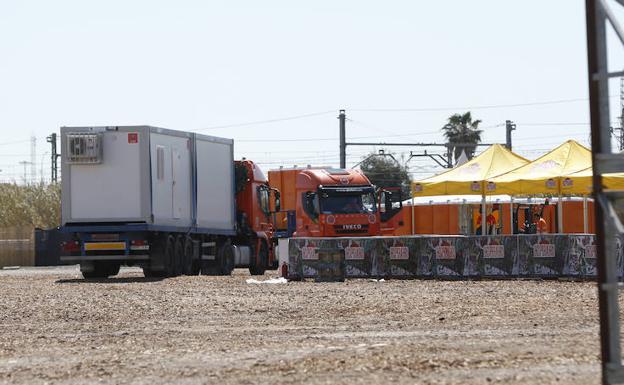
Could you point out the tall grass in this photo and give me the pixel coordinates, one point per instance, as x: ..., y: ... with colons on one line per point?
x: 37, y: 205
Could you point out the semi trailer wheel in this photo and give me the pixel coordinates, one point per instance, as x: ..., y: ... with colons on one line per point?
x: 223, y: 264
x: 225, y: 257
x: 257, y: 264
x: 157, y: 267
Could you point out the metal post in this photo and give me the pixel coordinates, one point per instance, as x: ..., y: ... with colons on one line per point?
x: 342, y: 117
x: 585, y: 222
x: 560, y: 214
x: 509, y: 126
x: 54, y: 156
x: 597, y: 13
x: 483, y: 213
x: 511, y: 212
x: 413, y: 224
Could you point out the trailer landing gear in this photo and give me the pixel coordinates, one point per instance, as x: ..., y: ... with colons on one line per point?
x: 99, y: 269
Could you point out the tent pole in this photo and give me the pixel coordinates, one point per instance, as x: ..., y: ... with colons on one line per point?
x: 413, y: 224
x: 585, y: 223
x: 560, y: 214
x: 511, y: 211
x: 483, y: 219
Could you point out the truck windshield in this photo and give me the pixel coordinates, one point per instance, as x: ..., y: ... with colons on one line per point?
x: 343, y: 201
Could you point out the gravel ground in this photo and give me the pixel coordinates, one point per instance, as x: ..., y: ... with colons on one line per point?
x: 59, y: 329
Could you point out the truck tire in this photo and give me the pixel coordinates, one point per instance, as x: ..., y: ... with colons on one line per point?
x: 223, y: 264
x: 257, y: 264
x: 101, y: 269
x: 225, y: 257
x: 157, y: 267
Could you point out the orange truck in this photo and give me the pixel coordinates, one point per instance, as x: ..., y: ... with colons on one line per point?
x: 330, y: 202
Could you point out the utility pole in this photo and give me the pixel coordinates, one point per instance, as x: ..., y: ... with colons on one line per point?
x: 509, y: 126
x: 342, y: 117
x: 25, y: 163
x: 54, y: 170
x: 33, y: 159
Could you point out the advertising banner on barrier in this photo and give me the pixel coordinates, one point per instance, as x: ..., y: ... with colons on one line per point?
x: 580, y: 260
x: 357, y: 255
x: 401, y: 256
x: 447, y: 253
x: 535, y: 255
x: 494, y: 255
x: 540, y: 253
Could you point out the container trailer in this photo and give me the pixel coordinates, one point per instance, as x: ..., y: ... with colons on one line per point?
x: 167, y: 201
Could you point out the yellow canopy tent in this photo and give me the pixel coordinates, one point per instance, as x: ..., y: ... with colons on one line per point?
x: 470, y: 178
x: 545, y: 174
x: 580, y: 183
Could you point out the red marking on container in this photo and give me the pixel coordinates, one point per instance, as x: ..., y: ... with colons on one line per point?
x: 133, y: 137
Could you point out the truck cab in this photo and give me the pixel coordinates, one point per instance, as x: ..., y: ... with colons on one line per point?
x: 254, y: 201
x: 328, y: 202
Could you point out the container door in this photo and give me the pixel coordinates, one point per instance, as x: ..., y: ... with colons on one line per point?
x: 177, y: 198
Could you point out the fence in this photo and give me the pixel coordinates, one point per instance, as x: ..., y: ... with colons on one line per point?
x: 454, y: 257
x: 17, y: 246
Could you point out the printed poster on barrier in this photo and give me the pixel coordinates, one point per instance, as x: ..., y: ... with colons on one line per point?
x: 580, y: 260
x: 401, y: 257
x: 304, y: 256
x: 545, y: 253
x: 495, y: 254
x: 448, y: 256
x: 357, y: 256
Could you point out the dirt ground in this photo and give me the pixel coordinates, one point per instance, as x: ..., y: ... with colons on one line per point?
x: 59, y: 329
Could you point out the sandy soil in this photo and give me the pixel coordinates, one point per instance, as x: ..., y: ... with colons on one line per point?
x: 59, y: 329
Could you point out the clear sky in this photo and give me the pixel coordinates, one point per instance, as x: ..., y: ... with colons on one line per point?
x: 197, y: 65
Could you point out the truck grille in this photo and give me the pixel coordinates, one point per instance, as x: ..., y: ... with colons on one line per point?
x: 351, y: 229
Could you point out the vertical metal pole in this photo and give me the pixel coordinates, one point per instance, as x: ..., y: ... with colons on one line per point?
x: 53, y: 158
x: 601, y: 143
x: 560, y: 214
x: 511, y: 212
x: 413, y: 224
x: 342, y: 117
x: 585, y: 223
x: 509, y: 126
x: 483, y: 219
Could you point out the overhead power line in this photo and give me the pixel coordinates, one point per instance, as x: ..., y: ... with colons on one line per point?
x: 303, y: 116
x: 477, y: 107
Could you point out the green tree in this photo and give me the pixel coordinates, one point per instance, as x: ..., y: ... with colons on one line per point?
x: 462, y: 129
x: 385, y: 171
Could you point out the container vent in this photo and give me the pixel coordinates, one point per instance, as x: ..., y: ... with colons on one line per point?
x: 84, y: 148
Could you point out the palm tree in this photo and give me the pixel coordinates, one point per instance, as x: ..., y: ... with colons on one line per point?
x: 462, y: 129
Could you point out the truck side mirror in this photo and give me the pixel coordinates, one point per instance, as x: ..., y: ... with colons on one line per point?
x: 392, y: 204
x: 278, y: 202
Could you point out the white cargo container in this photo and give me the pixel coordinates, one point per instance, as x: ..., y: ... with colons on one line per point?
x: 161, y: 199
x: 143, y: 174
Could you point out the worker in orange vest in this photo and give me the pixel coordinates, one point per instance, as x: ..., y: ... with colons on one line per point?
x: 540, y: 224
